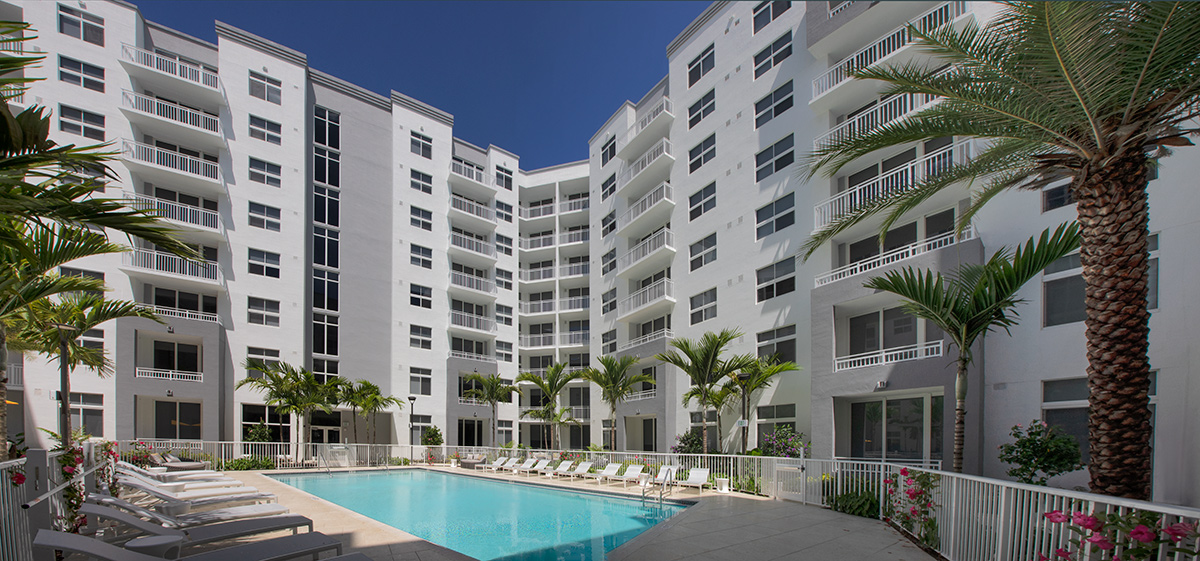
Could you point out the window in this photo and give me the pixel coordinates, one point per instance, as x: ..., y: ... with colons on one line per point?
x: 702, y: 108
x: 324, y: 369
x: 326, y: 205
x: 265, y: 87
x: 422, y: 145
x: 92, y: 339
x: 180, y: 300
x: 1065, y: 407
x: 325, y: 334
x: 771, y: 56
x: 504, y: 314
x: 608, y: 224
x: 774, y: 417
x: 1063, y: 291
x: 327, y: 167
x: 608, y: 301
x: 264, y: 172
x: 264, y: 263
x: 779, y: 342
x: 326, y: 285
x: 81, y: 73
x: 702, y: 201
x: 608, y: 262
x: 609, y: 151
x: 1056, y: 197
x: 263, y: 311
x: 270, y: 357
x: 504, y: 279
x: 504, y: 244
x: 265, y: 217
x: 81, y: 25
x: 608, y: 342
x: 701, y: 65
x: 699, y: 420
x: 776, y: 216
x: 504, y: 211
x: 776, y: 279
x: 608, y: 187
x: 704, y: 305
x: 422, y: 182
x: 504, y: 432
x: 767, y: 12
x: 80, y: 122
x: 263, y: 129
x: 774, y: 158
x: 504, y: 351
x: 279, y: 426
x: 702, y: 153
x: 420, y: 337
x: 773, y: 105
x: 421, y: 256
x: 181, y: 357
x: 421, y: 296
x: 421, y: 218
x: 71, y: 272
x: 327, y: 128
x: 703, y: 252
x: 177, y: 420
x: 325, y: 247
x: 419, y: 424
x: 420, y: 381
x: 504, y: 178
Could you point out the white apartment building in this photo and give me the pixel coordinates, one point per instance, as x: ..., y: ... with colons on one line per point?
x: 353, y: 234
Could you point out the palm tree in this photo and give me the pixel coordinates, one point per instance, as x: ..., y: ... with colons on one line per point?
x: 756, y: 376
x: 1094, y: 93
x: 975, y: 300
x: 616, y: 383
x: 354, y: 394
x: 553, y: 383
x: 491, y: 389
x: 701, y: 361
x: 720, y: 399
x: 375, y: 402
x: 292, y: 391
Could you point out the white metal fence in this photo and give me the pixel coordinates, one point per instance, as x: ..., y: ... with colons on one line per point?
x: 15, y: 539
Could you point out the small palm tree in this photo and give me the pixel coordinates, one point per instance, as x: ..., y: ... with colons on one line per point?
x: 719, y: 400
x: 552, y: 384
x: 491, y: 389
x: 701, y: 361
x: 756, y: 376
x: 292, y: 391
x: 975, y: 300
x: 355, y: 394
x: 616, y: 383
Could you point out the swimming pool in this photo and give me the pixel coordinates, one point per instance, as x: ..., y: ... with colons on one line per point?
x: 489, y: 520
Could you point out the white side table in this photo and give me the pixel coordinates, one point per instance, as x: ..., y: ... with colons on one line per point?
x: 722, y: 484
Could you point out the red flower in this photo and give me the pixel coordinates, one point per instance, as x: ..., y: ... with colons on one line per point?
x: 904, y: 472
x: 1087, y: 522
x: 1060, y: 552
x: 18, y: 478
x: 69, y: 469
x: 1143, y: 534
x: 1056, y: 516
x: 1177, y: 531
x: 1101, y: 541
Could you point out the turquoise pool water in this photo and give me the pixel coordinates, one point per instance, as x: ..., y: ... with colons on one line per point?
x: 489, y: 520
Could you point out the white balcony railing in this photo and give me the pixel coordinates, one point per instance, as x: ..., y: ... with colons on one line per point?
x: 174, y: 161
x: 470, y: 172
x: 171, y: 111
x: 173, y: 67
x: 532, y: 341
x: 529, y: 275
x: 574, y: 270
x: 471, y: 401
x: 574, y: 338
x: 835, y: 10
x: 524, y: 411
x: 536, y: 242
x: 473, y: 208
x: 472, y: 244
x: 164, y: 311
x: 885, y: 112
x: 660, y: 290
x: 472, y: 356
x: 581, y: 412
x: 663, y: 106
x: 890, y: 43
x: 13, y: 94
x: 661, y: 193
x: 11, y: 43
x: 540, y: 373
x: 574, y: 205
x: 15, y: 374
x: 472, y: 321
x: 661, y: 239
x: 658, y: 150
x: 169, y: 263
x: 530, y: 212
x: 539, y: 307
x: 578, y: 303
x: 660, y: 334
x: 891, y: 183
x: 896, y: 255
x: 889, y: 356
x: 171, y: 210
x: 160, y: 374
x: 574, y: 236
x: 644, y: 394
x: 472, y: 282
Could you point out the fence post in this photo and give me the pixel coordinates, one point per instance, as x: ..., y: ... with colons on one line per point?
x: 37, y: 481
x: 950, y: 508
x: 1005, y: 530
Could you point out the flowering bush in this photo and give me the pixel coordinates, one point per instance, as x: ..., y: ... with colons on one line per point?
x: 140, y: 456
x: 689, y: 442
x: 106, y: 457
x: 784, y: 442
x: 71, y: 464
x: 910, y: 504
x: 573, y: 456
x: 1039, y: 449
x: 432, y: 436
x: 16, y: 475
x: 1134, y: 536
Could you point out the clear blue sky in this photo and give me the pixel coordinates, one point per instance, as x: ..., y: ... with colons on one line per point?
x: 536, y: 78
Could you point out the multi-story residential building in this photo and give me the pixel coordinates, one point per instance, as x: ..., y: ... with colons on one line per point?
x: 353, y: 234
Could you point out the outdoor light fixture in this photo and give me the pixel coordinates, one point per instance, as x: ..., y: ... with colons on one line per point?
x: 170, y: 393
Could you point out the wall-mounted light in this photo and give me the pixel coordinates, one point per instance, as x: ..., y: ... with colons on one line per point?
x: 170, y: 393
x: 881, y: 385
x: 170, y: 329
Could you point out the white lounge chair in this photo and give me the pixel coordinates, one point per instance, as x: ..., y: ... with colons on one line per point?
x: 580, y: 470
x: 178, y: 491
x: 665, y: 477
x: 287, y: 547
x: 510, y: 464
x: 199, y: 534
x: 171, y: 476
x: 698, y: 478
x: 610, y: 471
x: 524, y: 465
x: 197, y: 500
x: 539, y: 466
x: 183, y: 485
x: 562, y: 469
x: 188, y: 519
x: 631, y: 474
x: 499, y: 462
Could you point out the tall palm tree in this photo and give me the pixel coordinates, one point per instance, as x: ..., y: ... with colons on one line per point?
x: 491, y: 389
x: 552, y: 384
x: 975, y: 300
x: 758, y: 375
x: 616, y: 383
x: 701, y: 361
x: 292, y: 391
x: 375, y: 402
x: 719, y: 400
x: 353, y: 394
x: 1094, y: 93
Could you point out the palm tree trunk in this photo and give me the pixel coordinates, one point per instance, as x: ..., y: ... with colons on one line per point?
x: 354, y: 410
x: 612, y: 408
x: 960, y: 413
x: 3, y: 393
x: 704, y: 422
x: 495, y: 435
x: 1114, y: 226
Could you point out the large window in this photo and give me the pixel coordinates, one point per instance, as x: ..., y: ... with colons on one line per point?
x: 324, y: 369
x: 504, y: 244
x: 504, y: 314
x: 327, y: 128
x: 609, y: 151
x: 896, y: 325
x: 325, y: 334
x: 420, y: 296
x: 177, y: 420
x: 420, y: 337
x: 269, y: 357
x: 325, y: 290
x: 265, y: 172
x: 81, y: 25
x: 421, y: 218
x: 87, y: 413
x: 1065, y: 407
x: 80, y: 122
x: 702, y: 108
x: 327, y: 205
x: 608, y: 301
x: 504, y: 178
x: 701, y: 153
x: 608, y: 262
x: 504, y: 351
x: 265, y: 87
x: 421, y: 256
x: 279, y: 426
x: 420, y: 181
x: 776, y: 279
x: 779, y: 343
x: 172, y: 355
x: 264, y: 263
x: 774, y: 417
x: 608, y: 187
x: 81, y: 73
x: 704, y: 305
x: 773, y: 105
x: 774, y: 158
x: 180, y: 300
x: 702, y: 201
x: 771, y: 56
x: 701, y: 65
x: 262, y: 311
x: 767, y: 12
x: 421, y: 145
x: 327, y: 167
x: 608, y: 224
x: 608, y: 342
x: 906, y: 428
x: 703, y: 252
x: 776, y: 216
x: 420, y: 381
x: 267, y: 131
x: 504, y: 279
x: 1064, y: 291
x: 265, y: 217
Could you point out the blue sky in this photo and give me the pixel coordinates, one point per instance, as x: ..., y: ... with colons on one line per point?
x: 536, y: 78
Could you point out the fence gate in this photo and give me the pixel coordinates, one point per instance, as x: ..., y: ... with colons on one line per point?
x: 790, y: 480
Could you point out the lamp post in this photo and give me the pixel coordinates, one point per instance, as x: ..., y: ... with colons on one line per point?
x: 744, y: 377
x: 412, y: 405
x: 64, y: 374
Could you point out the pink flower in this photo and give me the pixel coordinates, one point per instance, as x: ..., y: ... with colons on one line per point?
x: 913, y: 510
x: 1087, y: 522
x: 69, y: 469
x: 912, y: 493
x: 1056, y: 516
x: 1143, y: 534
x: 891, y: 491
x: 1177, y: 531
x: 909, y: 482
x: 887, y: 481
x: 1060, y: 552
x: 1101, y: 541
x: 904, y: 472
x: 18, y: 478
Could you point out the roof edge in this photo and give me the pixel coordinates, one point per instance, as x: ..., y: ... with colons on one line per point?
x: 266, y: 45
x: 695, y: 26
x: 351, y: 90
x: 422, y: 108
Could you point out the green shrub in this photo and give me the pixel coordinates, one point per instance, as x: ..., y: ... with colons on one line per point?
x: 1040, y: 448
x: 246, y: 463
x: 858, y: 503
x: 432, y: 437
x: 690, y: 442
x: 398, y: 461
x: 258, y: 433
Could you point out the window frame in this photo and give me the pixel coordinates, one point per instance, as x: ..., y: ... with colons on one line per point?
x: 420, y: 337
x: 700, y: 66
x: 420, y: 296
x: 420, y: 256
x: 265, y: 130
x: 87, y: 24
x: 421, y: 145
x: 776, y: 280
x: 787, y: 213
x: 704, y: 254
x: 770, y: 57
x: 702, y: 153
x: 263, y: 86
x: 267, y: 173
x: 777, y: 156
x: 264, y: 218
x: 420, y: 218
x: 697, y: 207
x: 702, y: 108
x: 767, y: 8
x: 703, y: 306
x: 84, y: 125
x: 87, y: 76
x: 262, y: 311
x: 263, y: 263
x: 768, y: 105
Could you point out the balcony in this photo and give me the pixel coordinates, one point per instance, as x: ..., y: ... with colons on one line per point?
x: 581, y: 412
x: 657, y: 297
x: 891, y: 183
x: 165, y: 119
x: 652, y: 125
x: 539, y: 307
x: 889, y: 356
x: 575, y: 339
x: 476, y: 175
x: 648, y: 170
x: 175, y: 375
x: 190, y: 217
x: 13, y: 95
x: 647, y: 212
x: 662, y: 334
x: 895, y: 256
x: 574, y: 236
x: 644, y: 254
x: 532, y: 212
x: 473, y: 356
x: 536, y: 242
x: 472, y: 401
x: 536, y: 341
x: 472, y: 245
x: 574, y: 270
x: 11, y: 44
x: 885, y: 112
x: 472, y: 282
x: 574, y: 205
x: 166, y: 167
x: 644, y: 394
x: 889, y: 46
x: 473, y: 209
x: 524, y: 411
x: 173, y: 265
x: 574, y: 304
x: 180, y: 313
x: 170, y: 76
x: 16, y: 376
x: 472, y: 322
x: 534, y: 275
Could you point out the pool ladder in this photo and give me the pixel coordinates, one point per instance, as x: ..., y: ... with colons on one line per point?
x: 662, y: 488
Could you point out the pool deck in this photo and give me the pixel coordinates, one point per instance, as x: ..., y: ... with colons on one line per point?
x: 717, y: 527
